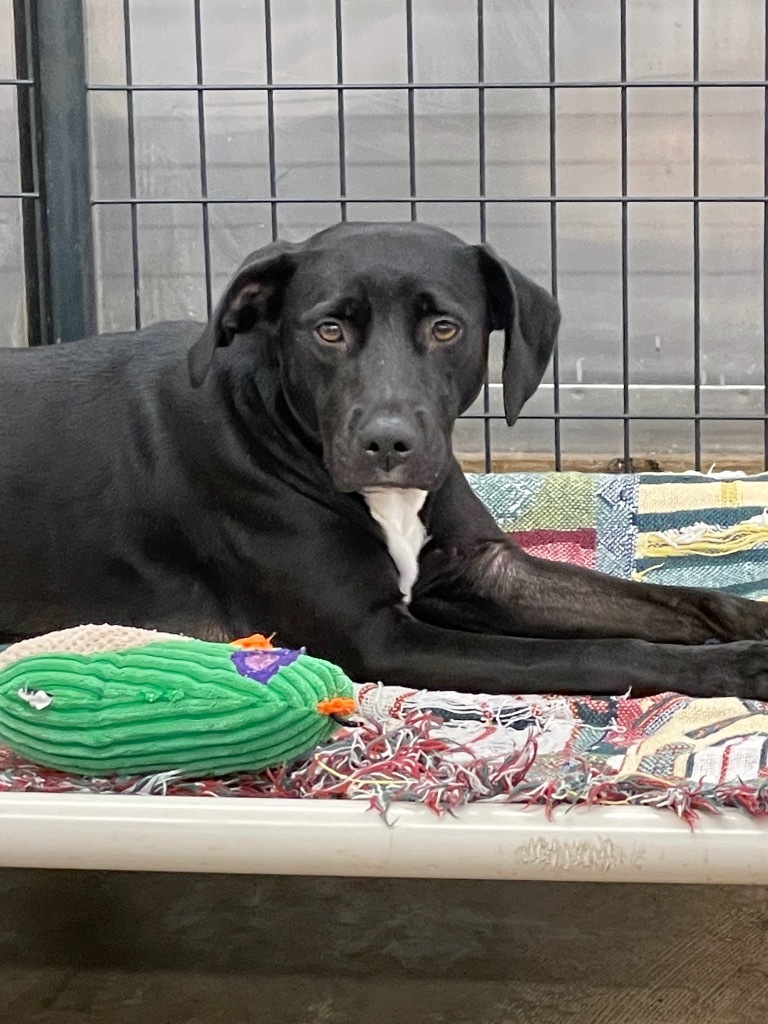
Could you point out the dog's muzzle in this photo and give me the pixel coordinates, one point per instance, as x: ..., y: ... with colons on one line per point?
x: 387, y: 450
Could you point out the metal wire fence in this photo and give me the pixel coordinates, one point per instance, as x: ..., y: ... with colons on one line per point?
x: 61, y: 202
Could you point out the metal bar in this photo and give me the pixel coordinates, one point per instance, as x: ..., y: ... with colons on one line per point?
x: 553, y: 223
x: 718, y: 389
x: 340, y: 108
x: 481, y: 176
x: 25, y: 194
x: 131, y: 127
x: 618, y: 416
x: 269, y: 62
x: 411, y: 86
x: 624, y: 237
x: 635, y: 845
x: 16, y: 81
x: 696, y: 248
x: 36, y: 279
x: 443, y: 200
x: 411, y: 107
x: 481, y: 140
x: 65, y: 167
x: 203, y: 157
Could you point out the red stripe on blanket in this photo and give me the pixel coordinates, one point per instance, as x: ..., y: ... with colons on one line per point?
x: 575, y: 546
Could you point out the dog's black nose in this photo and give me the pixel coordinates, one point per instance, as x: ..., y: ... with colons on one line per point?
x: 387, y: 441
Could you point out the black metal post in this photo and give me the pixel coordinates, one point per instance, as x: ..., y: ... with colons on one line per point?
x: 32, y: 208
x: 553, y: 254
x: 62, y: 111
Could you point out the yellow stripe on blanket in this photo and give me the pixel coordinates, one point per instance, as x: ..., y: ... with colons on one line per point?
x: 703, y: 539
x: 714, y: 494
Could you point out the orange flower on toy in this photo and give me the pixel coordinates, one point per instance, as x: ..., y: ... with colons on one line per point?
x: 337, y: 706
x: 255, y: 642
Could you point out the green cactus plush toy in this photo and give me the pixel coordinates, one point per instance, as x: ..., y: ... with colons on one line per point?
x: 103, y: 700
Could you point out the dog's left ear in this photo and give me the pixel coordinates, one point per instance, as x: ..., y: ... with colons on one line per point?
x: 254, y: 295
x: 529, y: 317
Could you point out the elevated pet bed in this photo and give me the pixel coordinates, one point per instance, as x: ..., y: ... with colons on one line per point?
x: 661, y: 789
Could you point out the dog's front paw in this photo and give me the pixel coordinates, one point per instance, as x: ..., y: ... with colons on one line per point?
x: 730, y: 619
x: 736, y: 670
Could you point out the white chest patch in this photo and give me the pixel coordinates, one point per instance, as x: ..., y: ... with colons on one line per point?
x: 396, y: 511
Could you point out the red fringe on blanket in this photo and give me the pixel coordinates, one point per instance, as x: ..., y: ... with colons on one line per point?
x: 408, y: 763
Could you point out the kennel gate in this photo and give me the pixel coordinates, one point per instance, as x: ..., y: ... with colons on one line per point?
x: 613, y: 149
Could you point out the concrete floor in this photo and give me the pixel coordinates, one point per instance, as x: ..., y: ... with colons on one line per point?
x: 78, y: 948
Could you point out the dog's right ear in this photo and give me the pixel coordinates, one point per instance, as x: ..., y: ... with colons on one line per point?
x: 529, y: 317
x: 254, y: 295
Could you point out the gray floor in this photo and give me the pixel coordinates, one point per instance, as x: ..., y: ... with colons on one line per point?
x: 81, y: 948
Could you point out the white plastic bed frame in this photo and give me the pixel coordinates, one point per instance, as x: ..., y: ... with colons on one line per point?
x: 343, y: 838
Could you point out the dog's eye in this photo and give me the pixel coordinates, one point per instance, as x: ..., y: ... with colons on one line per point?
x: 330, y: 332
x: 444, y: 330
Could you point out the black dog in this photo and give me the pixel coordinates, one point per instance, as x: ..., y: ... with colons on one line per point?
x: 291, y: 471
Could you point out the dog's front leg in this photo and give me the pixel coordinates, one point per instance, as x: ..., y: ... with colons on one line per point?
x: 394, y: 647
x: 472, y: 577
x: 497, y: 588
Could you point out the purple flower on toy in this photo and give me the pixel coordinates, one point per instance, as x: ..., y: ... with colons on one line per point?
x: 262, y: 665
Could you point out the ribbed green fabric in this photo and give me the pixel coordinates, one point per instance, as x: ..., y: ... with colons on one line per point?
x: 168, y: 705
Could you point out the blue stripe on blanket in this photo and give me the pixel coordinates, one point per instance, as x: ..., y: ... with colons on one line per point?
x: 654, y: 522
x: 744, y: 572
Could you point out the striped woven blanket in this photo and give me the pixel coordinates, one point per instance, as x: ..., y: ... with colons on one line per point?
x: 447, y: 749
x: 691, y: 529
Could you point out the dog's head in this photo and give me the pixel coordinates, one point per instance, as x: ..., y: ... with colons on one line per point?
x: 380, y: 333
